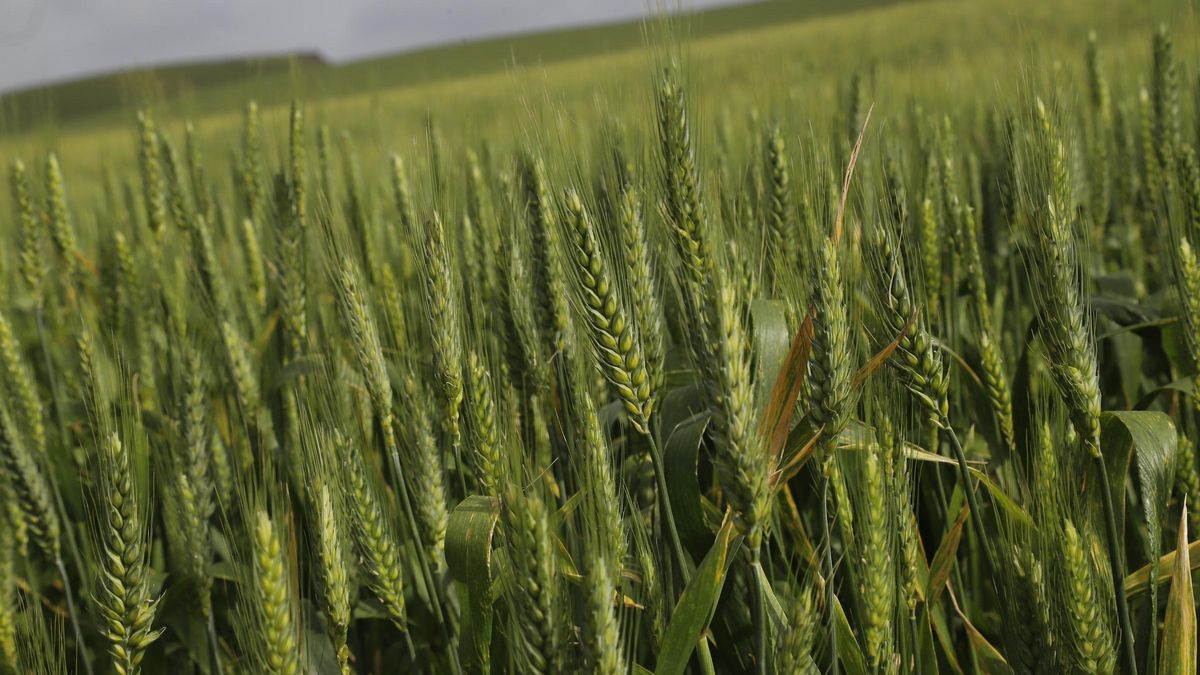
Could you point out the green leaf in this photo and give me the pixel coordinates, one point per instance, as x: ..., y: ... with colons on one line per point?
x: 990, y: 661
x: 697, y: 603
x: 680, y: 404
x: 177, y: 613
x: 1178, y: 653
x: 1150, y: 437
x: 1015, y: 513
x: 1146, y: 327
x: 319, y: 653
x: 611, y: 413
x: 775, y: 612
x: 1123, y: 311
x: 987, y: 657
x: 776, y: 618
x: 918, y: 454
x: 1118, y: 284
x: 1128, y: 352
x: 772, y: 341
x: 849, y: 653
x: 1139, y: 581
x: 926, y: 648
x: 469, y: 559
x: 564, y: 512
x: 368, y: 607
x: 1174, y: 342
x: 568, y: 568
x: 224, y: 571
x: 1185, y: 386
x: 296, y: 368
x: 941, y: 629
x: 943, y: 559
x: 681, y: 458
x: 775, y: 422
x: 1022, y: 404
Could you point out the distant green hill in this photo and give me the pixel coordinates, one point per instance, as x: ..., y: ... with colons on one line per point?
x: 206, y: 87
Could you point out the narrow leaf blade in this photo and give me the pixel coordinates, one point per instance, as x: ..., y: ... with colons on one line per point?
x: 696, y: 605
x: 469, y: 558
x: 943, y: 559
x: 1178, y: 654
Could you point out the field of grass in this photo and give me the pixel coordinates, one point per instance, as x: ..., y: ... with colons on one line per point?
x: 808, y: 341
x: 206, y: 88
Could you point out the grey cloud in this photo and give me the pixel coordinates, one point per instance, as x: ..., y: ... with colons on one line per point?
x: 48, y: 40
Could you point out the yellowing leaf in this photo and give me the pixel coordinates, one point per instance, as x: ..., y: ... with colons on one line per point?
x: 943, y: 559
x: 1178, y: 653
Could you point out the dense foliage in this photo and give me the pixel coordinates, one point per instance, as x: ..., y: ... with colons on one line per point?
x: 902, y: 393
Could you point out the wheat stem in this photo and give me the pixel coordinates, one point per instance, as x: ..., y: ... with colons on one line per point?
x: 1118, y: 568
x: 214, y: 649
x: 827, y: 574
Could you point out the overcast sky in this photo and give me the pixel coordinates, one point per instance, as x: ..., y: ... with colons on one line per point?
x: 49, y: 40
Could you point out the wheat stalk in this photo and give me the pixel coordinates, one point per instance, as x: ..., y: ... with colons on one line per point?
x: 379, y: 551
x: 273, y: 599
x: 481, y: 409
x: 785, y: 249
x: 615, y: 339
x: 125, y: 601
x: 29, y: 235
x: 990, y: 356
x: 8, y: 605
x: 548, y: 285
x: 152, y: 182
x: 536, y: 595
x: 178, y: 199
x: 62, y: 232
x: 20, y: 384
x: 335, y: 572
x: 1064, y: 326
x: 254, y: 191
x: 1167, y: 128
x: 645, y: 304
x: 426, y: 472
x: 1093, y: 650
x: 443, y: 307
x: 254, y: 263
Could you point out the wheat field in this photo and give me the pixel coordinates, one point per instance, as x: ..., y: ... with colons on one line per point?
x: 768, y: 352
